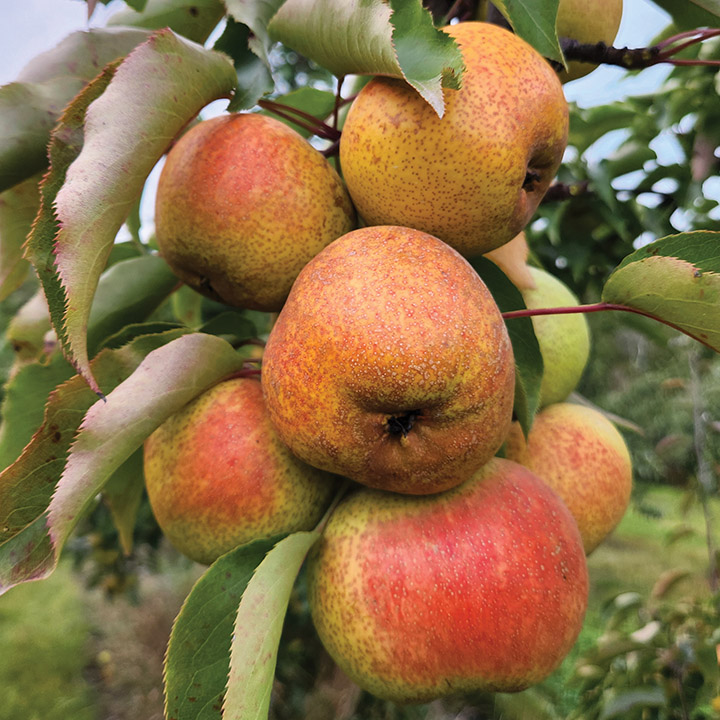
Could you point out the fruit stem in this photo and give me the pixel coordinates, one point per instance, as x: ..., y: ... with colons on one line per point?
x: 301, y: 119
x: 596, y: 307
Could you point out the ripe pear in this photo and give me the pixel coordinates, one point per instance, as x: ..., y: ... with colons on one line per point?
x: 578, y: 452
x: 587, y: 21
x: 217, y: 475
x: 474, y: 177
x: 243, y: 202
x: 564, y: 339
x: 390, y: 363
x: 481, y: 588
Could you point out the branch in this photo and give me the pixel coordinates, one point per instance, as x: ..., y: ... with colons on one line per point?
x: 562, y: 191
x: 639, y: 58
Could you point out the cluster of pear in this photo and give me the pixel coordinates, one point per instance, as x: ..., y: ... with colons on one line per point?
x: 445, y: 568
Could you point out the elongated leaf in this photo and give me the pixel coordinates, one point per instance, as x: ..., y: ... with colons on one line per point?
x: 112, y: 430
x: 256, y: 15
x: 30, y: 107
x: 198, y: 656
x: 27, y: 330
x: 397, y: 39
x: 622, y: 704
x: 528, y: 359
x: 64, y: 149
x: 676, y: 280
x: 535, y: 23
x: 258, y: 626
x: 154, y: 92
x: 18, y: 207
x: 26, y: 486
x: 193, y: 19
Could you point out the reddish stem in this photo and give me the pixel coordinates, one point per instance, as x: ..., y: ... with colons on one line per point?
x: 596, y: 307
x: 301, y: 119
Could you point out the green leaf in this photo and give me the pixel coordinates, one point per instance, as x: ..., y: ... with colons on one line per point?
x: 123, y: 495
x: 154, y: 92
x: 528, y: 360
x: 691, y: 14
x: 26, y: 486
x: 27, y: 330
x: 18, y: 207
x: 589, y: 124
x: 253, y: 74
x: 26, y: 395
x: 258, y: 626
x: 624, y: 702
x: 255, y: 15
x: 128, y: 292
x: 397, y: 40
x: 112, y: 430
x: 231, y: 323
x: 675, y: 280
x: 30, y: 107
x: 194, y: 19
x: 198, y: 655
x: 136, y: 330
x: 534, y: 22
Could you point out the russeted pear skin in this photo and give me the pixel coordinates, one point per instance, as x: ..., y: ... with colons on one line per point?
x: 390, y: 363
x: 217, y: 475
x: 482, y: 588
x: 474, y: 177
x: 243, y: 203
x: 580, y: 454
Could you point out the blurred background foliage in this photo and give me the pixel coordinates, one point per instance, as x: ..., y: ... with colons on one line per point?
x: 649, y: 648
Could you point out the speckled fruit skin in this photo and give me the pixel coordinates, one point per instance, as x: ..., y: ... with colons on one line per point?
x: 587, y: 21
x: 243, y: 203
x: 462, y: 177
x: 481, y: 588
x: 578, y: 452
x: 389, y: 325
x: 564, y: 339
x: 217, y: 475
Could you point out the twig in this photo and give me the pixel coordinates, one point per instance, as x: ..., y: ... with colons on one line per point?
x: 301, y: 119
x: 563, y: 191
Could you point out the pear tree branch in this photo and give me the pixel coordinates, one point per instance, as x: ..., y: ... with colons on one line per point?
x: 639, y: 58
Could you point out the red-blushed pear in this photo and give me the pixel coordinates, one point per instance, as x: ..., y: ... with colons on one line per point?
x: 390, y: 363
x: 481, y: 588
x: 578, y: 452
x: 243, y: 202
x: 217, y: 476
x: 474, y: 177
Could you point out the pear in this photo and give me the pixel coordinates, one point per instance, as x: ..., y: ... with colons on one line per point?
x: 390, y: 363
x: 474, y: 177
x: 217, y: 475
x: 482, y: 588
x: 564, y: 339
x: 578, y: 452
x: 243, y: 203
x: 587, y: 21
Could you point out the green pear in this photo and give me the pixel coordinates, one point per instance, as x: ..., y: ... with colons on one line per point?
x: 587, y: 21
x: 564, y: 339
x: 482, y: 588
x: 217, y: 475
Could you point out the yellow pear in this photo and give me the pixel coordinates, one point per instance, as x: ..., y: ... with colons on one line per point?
x: 474, y: 177
x: 578, y: 452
